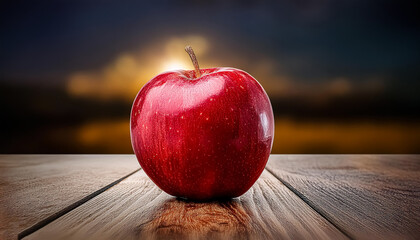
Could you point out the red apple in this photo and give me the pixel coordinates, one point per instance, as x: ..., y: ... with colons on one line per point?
x: 203, y: 134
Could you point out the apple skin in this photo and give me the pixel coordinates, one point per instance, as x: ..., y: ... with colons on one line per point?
x: 202, y: 138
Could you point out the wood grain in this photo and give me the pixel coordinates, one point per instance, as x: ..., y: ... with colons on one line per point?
x: 367, y: 196
x: 136, y: 209
x: 34, y: 187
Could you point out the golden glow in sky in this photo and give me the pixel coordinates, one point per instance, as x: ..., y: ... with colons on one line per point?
x: 174, y: 65
x: 124, y: 77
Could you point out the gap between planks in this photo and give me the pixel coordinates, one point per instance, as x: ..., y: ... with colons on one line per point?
x: 310, y: 204
x: 69, y: 208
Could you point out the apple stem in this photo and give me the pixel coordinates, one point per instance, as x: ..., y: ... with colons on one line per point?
x: 190, y: 52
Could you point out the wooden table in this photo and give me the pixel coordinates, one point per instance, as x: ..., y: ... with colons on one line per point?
x: 297, y: 197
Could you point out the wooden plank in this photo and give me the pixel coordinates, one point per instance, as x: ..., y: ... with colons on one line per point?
x: 367, y: 196
x: 136, y: 209
x: 34, y: 187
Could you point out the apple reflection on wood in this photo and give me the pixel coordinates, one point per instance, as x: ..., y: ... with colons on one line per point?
x: 202, y: 134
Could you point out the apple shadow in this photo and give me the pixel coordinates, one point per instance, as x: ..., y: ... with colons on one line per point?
x: 177, y: 218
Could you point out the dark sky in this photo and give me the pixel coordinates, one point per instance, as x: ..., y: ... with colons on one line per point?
x: 310, y: 39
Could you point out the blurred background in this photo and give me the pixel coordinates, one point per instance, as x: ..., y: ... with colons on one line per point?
x: 342, y: 76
